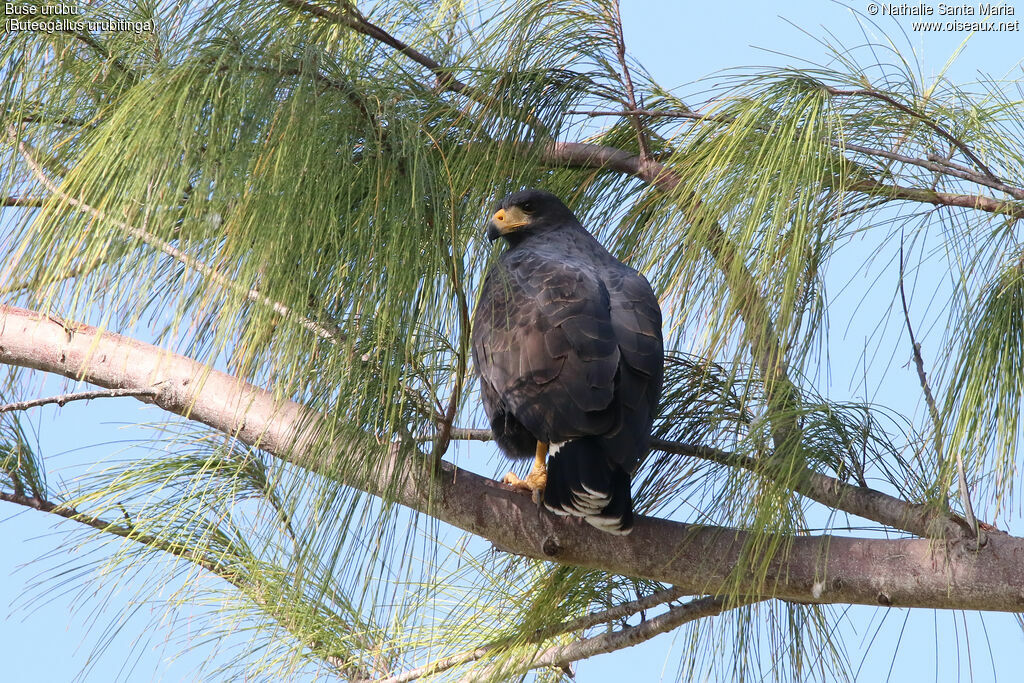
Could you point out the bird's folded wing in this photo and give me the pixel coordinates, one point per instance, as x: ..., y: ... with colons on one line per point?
x: 545, y: 342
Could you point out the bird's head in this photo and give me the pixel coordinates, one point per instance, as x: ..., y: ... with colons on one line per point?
x: 528, y: 212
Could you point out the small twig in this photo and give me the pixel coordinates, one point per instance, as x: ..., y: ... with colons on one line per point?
x: 919, y: 363
x: 127, y: 517
x: 627, y: 80
x: 25, y: 202
x: 854, y: 210
x: 462, y: 363
x: 934, y: 413
x: 77, y: 396
x: 56, y: 120
x: 87, y: 39
x: 73, y: 272
x: 945, y: 161
x: 16, y: 483
x: 656, y: 113
x: 351, y: 17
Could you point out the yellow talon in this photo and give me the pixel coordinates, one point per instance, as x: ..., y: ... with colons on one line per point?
x: 537, y: 479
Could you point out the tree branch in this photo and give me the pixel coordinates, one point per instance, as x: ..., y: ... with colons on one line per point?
x: 352, y: 18
x: 1013, y: 209
x: 619, y: 611
x: 627, y: 80
x: 936, y: 165
x: 188, y: 553
x: 921, y: 520
x: 932, y: 163
x: 124, y: 531
x: 959, y: 144
x: 562, y: 656
x: 696, y: 559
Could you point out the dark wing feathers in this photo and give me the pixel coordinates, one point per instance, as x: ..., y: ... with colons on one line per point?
x: 545, y: 343
x: 549, y: 338
x: 636, y: 319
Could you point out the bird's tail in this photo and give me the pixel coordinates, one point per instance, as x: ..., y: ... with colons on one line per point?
x: 583, y: 482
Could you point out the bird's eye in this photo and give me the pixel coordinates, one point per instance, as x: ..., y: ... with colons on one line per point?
x: 527, y: 207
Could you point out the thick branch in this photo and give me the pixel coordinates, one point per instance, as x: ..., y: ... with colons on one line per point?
x: 696, y: 559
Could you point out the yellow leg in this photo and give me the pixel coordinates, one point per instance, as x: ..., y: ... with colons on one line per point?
x: 537, y: 479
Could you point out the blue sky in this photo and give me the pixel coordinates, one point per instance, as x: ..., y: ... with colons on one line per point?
x: 679, y: 43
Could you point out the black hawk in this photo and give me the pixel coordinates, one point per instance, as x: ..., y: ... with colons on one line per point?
x: 567, y: 344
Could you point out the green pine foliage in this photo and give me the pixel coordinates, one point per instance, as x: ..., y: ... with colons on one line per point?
x: 278, y: 195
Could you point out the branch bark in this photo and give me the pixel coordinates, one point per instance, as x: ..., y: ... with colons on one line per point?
x: 696, y: 559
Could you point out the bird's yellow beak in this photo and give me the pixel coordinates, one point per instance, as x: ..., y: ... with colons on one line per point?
x: 505, y: 221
